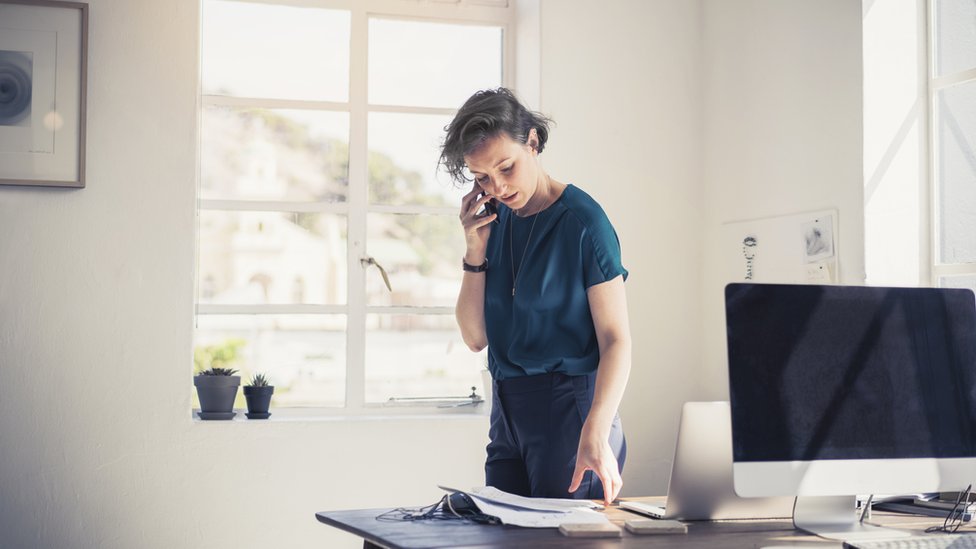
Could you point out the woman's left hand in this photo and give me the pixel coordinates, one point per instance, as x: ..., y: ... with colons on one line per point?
x: 595, y: 454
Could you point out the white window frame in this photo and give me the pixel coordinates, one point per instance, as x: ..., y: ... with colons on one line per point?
x: 501, y: 13
x: 937, y: 269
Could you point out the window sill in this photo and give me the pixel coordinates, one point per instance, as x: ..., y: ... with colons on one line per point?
x: 372, y: 413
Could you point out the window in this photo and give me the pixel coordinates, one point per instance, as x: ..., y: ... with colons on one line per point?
x: 952, y: 92
x: 320, y: 132
x: 919, y: 137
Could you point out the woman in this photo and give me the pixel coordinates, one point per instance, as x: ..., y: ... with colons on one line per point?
x: 543, y: 289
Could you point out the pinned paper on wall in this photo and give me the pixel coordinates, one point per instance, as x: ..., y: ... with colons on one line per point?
x: 820, y: 272
x: 790, y: 249
x: 818, y: 239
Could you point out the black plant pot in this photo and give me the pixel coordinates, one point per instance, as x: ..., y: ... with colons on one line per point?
x: 258, y: 401
x: 217, y: 394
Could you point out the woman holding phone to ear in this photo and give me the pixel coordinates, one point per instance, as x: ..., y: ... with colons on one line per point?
x: 543, y: 289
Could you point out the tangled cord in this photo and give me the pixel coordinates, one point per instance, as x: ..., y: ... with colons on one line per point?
x: 954, y: 518
x: 443, y: 509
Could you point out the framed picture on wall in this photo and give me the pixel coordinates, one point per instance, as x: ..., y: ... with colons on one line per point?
x: 43, y: 85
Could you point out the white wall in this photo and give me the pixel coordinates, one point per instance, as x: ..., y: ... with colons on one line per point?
x: 679, y: 117
x: 783, y: 133
x: 622, y: 81
x: 668, y: 111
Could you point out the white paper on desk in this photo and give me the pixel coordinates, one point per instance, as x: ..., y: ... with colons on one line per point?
x: 533, y: 512
x: 530, y: 518
x: 540, y: 504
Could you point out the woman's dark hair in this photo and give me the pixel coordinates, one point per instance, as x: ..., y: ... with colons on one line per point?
x: 483, y: 116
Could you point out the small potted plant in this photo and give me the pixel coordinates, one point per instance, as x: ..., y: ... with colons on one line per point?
x: 217, y: 389
x: 215, y: 380
x: 258, y: 394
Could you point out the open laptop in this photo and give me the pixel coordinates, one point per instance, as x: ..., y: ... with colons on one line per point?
x: 701, y: 473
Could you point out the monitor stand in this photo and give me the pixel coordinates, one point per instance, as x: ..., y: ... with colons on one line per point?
x: 834, y: 517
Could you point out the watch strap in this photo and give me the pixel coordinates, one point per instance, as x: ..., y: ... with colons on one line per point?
x: 474, y: 268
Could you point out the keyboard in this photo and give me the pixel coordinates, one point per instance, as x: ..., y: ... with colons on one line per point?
x: 927, y: 541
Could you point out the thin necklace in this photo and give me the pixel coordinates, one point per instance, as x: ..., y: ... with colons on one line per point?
x: 511, y: 247
x: 528, y: 242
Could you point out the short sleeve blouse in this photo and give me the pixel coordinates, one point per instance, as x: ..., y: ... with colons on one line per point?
x: 546, y: 325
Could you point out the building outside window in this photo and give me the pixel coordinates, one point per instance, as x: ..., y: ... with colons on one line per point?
x: 320, y: 129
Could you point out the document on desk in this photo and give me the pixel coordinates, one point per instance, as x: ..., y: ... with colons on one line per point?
x: 545, y: 504
x: 533, y: 512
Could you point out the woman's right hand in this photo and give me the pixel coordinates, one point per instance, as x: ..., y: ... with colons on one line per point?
x: 476, y: 228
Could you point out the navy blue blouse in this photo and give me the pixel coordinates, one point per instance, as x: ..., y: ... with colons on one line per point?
x: 546, y: 325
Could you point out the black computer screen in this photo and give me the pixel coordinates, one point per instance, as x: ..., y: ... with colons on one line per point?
x: 845, y: 372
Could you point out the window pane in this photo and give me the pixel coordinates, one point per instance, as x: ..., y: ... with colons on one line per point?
x: 418, y: 355
x: 274, y: 154
x: 422, y: 256
x: 965, y: 281
x: 272, y: 257
x: 956, y: 172
x: 303, y: 356
x: 955, y: 36
x: 280, y: 52
x: 424, y: 64
x: 403, y: 153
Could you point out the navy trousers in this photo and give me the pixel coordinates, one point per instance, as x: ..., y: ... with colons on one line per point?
x: 534, y: 436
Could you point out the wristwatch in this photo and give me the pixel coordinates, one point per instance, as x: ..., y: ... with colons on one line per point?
x: 474, y: 268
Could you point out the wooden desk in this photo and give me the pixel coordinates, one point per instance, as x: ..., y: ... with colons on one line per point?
x: 726, y: 534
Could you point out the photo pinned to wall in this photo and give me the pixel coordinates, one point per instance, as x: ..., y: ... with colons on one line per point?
x: 43, y: 81
x: 818, y: 239
x: 818, y: 249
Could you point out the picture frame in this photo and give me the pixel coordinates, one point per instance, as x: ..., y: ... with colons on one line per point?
x: 43, y: 87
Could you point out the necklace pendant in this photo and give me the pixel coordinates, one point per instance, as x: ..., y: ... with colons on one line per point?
x: 513, y: 291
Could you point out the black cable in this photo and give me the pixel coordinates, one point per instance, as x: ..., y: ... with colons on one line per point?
x: 954, y: 519
x: 443, y: 509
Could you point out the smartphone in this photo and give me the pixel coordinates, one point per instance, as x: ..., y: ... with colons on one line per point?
x: 489, y: 208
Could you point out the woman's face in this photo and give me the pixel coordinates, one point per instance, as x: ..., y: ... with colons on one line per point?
x: 506, y: 169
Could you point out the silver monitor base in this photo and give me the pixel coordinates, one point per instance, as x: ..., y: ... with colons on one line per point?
x: 834, y: 517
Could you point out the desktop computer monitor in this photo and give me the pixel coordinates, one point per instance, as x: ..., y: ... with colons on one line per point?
x: 845, y: 390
